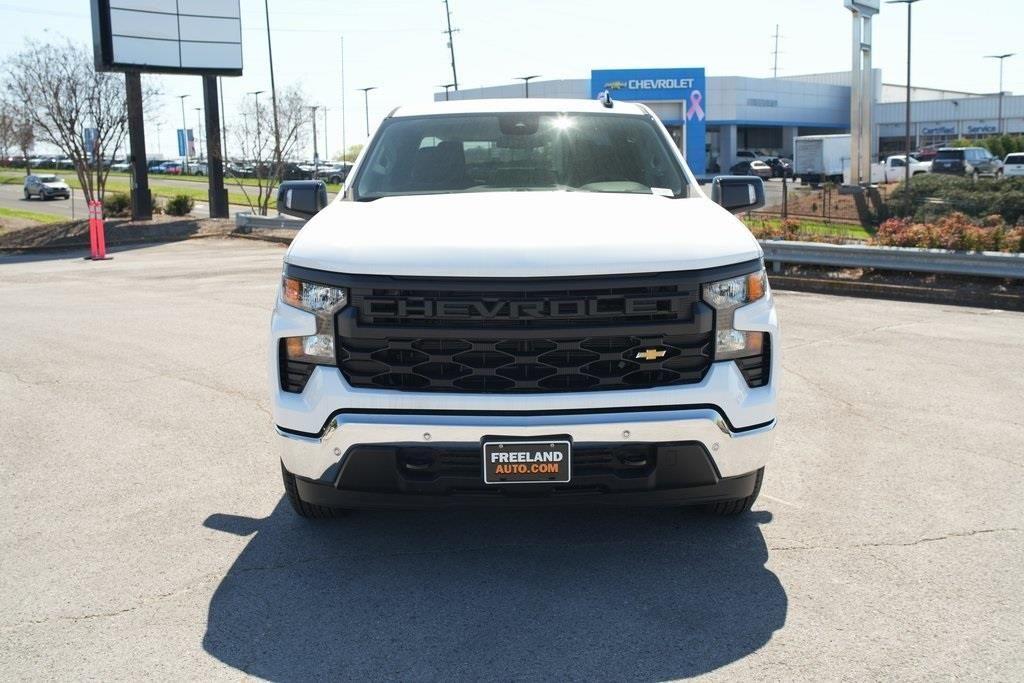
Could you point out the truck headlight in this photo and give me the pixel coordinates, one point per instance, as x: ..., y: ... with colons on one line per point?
x: 725, y: 296
x: 323, y: 301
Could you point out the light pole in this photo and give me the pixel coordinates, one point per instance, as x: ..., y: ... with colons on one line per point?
x: 259, y: 142
x: 316, y: 152
x: 184, y: 132
x: 906, y: 169
x: 327, y: 150
x: 199, y: 129
x: 273, y: 91
x: 447, y: 88
x: 366, y: 105
x: 526, y: 82
x: 1001, y: 59
x: 344, y: 141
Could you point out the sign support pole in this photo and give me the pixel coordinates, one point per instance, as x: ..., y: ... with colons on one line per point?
x: 214, y: 154
x: 142, y: 201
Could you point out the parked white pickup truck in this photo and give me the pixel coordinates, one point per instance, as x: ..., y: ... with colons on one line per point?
x: 893, y: 170
x: 523, y: 302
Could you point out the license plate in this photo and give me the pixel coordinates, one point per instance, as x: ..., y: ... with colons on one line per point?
x: 526, y: 462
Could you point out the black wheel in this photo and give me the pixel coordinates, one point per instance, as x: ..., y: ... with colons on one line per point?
x: 302, y: 508
x: 28, y: 196
x: 737, y: 506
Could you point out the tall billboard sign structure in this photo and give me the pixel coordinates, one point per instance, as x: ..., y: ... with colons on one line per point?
x: 198, y: 37
x: 168, y: 36
x: 862, y: 90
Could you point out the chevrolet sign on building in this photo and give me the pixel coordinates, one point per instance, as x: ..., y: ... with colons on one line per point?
x: 684, y: 88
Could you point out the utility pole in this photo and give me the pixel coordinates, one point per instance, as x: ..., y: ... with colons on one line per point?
x: 447, y: 88
x: 1001, y: 59
x: 184, y: 132
x: 344, y: 149
x: 775, y: 53
x: 451, y: 43
x: 526, y: 82
x: 273, y: 92
x: 366, y: 104
x: 906, y: 169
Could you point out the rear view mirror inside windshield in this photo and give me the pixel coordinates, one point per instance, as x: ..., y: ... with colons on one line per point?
x: 519, y: 123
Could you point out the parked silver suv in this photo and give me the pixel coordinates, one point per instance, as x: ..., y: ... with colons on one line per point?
x: 46, y: 187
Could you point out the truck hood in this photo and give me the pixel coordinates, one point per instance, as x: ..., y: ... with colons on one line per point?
x: 521, y: 234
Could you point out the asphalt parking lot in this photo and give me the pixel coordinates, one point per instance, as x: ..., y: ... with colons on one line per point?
x: 145, y: 535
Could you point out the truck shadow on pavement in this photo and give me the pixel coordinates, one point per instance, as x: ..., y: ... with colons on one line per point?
x: 555, y: 594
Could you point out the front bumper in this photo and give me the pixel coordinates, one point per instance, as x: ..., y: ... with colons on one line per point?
x: 323, y: 457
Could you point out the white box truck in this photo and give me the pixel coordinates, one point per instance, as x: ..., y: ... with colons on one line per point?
x: 820, y: 158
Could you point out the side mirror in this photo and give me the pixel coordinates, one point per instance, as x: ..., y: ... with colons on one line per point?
x: 301, y: 198
x: 738, y: 193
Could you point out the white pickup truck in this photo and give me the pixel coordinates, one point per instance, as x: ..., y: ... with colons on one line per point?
x: 895, y: 168
x: 523, y: 302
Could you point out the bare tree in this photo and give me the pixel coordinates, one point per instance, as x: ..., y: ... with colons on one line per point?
x: 24, y: 140
x: 254, y: 138
x: 7, y: 127
x: 62, y: 95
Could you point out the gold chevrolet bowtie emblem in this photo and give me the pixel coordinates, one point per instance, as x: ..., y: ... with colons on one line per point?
x: 651, y: 354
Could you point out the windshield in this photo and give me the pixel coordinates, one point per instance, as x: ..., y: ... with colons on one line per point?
x: 48, y: 179
x: 1015, y: 159
x: 519, y: 152
x: 950, y: 154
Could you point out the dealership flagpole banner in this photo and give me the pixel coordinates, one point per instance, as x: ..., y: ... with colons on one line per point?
x: 685, y: 86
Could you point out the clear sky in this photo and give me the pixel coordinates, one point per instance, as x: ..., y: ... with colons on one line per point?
x: 398, y: 45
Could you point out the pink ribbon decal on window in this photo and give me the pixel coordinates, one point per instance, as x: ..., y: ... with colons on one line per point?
x: 695, y: 108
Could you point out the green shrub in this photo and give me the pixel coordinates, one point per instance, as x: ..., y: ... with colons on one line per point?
x: 935, y: 195
x: 179, y: 205
x: 116, y: 205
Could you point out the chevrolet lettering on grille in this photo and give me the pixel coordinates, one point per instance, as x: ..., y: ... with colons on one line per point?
x: 521, y: 309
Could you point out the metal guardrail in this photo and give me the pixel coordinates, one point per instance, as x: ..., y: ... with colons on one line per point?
x: 974, y: 264
x: 245, y: 222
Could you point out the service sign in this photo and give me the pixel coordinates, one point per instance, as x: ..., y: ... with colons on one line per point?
x: 683, y: 85
x: 201, y: 37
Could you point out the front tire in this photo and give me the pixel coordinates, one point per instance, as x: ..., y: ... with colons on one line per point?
x: 302, y: 508
x: 737, y: 506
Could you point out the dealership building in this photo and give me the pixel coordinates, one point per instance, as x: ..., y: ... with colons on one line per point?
x: 713, y: 118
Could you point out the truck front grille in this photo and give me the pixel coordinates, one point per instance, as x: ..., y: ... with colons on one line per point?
x: 524, y: 335
x: 536, y: 364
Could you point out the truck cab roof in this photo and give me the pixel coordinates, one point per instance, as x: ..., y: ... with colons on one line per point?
x: 535, y: 104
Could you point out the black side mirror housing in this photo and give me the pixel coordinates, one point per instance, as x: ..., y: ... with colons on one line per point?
x: 301, y: 198
x: 738, y: 193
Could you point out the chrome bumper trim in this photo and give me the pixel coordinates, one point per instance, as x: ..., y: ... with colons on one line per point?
x: 734, y: 453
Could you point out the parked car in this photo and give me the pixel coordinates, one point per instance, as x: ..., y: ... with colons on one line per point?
x: 121, y: 167
x: 780, y: 167
x: 199, y: 168
x: 154, y: 165
x: 290, y: 171
x: 755, y: 167
x: 617, y: 369
x: 335, y: 174
x: 1013, y: 165
x: 237, y: 170
x: 46, y: 187
x: 171, y: 168
x: 969, y: 161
